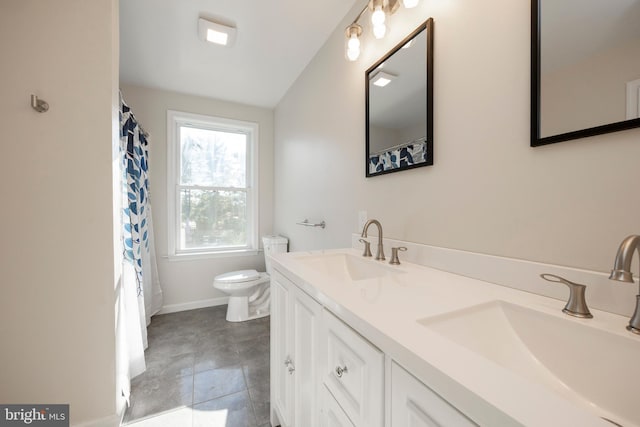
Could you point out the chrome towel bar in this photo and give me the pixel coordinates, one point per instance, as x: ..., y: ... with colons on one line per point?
x: 306, y: 223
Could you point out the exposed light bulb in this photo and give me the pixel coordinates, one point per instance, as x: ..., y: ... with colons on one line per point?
x: 378, y: 16
x: 353, y: 48
x: 409, y: 4
x: 353, y: 54
x: 379, y: 31
x: 353, y: 43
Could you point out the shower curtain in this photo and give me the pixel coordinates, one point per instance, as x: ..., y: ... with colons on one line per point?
x: 140, y: 293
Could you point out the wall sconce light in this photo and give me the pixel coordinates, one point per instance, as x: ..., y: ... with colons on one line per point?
x: 379, y: 10
x: 216, y: 33
x: 354, y: 31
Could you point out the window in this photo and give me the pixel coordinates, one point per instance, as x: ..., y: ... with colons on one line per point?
x: 212, y: 191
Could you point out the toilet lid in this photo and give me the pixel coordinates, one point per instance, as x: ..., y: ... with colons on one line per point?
x: 238, y: 276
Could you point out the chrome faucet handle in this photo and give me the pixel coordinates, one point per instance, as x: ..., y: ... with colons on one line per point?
x: 394, y: 255
x: 577, y: 304
x: 367, y: 247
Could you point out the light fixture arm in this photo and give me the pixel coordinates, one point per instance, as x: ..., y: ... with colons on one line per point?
x: 388, y: 6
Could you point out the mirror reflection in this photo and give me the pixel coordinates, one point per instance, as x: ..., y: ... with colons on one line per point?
x: 399, y: 106
x: 588, y: 74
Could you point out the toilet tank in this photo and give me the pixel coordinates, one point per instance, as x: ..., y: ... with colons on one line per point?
x: 273, y: 245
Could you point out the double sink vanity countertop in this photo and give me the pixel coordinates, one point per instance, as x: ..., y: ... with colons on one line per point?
x: 450, y: 332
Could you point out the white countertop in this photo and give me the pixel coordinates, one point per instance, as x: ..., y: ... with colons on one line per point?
x: 386, y: 310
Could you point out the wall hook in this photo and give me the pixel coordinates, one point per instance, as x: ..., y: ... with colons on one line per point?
x: 39, y: 105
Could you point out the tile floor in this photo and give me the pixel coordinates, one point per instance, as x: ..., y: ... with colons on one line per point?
x: 203, y: 371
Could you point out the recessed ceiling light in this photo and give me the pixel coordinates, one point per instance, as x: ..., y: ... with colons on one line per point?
x: 381, y: 79
x: 216, y: 33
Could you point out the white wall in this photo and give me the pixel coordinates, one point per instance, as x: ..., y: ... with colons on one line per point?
x: 187, y: 284
x: 56, y: 222
x: 488, y: 191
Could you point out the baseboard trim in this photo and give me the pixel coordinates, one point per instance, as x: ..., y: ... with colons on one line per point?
x: 192, y: 305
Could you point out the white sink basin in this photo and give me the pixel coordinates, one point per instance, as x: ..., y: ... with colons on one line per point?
x: 590, y: 366
x: 345, y: 266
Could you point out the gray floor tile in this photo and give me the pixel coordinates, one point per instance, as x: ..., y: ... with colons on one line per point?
x: 256, y: 370
x: 169, y: 366
x: 169, y: 333
x: 214, y: 338
x: 212, y: 356
x: 233, y: 410
x: 172, y: 345
x: 155, y: 395
x: 217, y: 317
x: 260, y: 399
x: 250, y: 348
x: 200, y: 369
x: 250, y: 330
x: 215, y: 383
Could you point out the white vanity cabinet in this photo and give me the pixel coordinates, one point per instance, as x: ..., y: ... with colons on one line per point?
x: 413, y: 404
x: 295, y: 318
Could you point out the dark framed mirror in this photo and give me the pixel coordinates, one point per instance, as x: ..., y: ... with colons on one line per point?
x: 399, y: 106
x: 585, y: 68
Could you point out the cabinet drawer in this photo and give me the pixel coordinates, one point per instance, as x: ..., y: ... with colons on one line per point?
x: 332, y: 413
x: 353, y: 370
x: 416, y: 405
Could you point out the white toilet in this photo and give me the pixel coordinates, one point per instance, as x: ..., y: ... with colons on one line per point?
x: 249, y: 293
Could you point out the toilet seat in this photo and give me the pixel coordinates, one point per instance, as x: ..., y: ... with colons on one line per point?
x: 238, y: 276
x: 238, y: 280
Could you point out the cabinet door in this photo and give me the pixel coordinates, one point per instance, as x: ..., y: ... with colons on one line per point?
x: 306, y: 319
x: 332, y: 413
x: 281, y: 352
x: 413, y: 404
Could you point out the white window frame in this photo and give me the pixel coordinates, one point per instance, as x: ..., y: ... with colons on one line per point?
x: 176, y: 119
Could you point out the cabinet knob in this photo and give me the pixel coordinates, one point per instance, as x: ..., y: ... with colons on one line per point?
x: 341, y: 371
x: 289, y: 364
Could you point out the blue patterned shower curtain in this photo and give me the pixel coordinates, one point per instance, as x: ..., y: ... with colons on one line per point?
x: 140, y: 296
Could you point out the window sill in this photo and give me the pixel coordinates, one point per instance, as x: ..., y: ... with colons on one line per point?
x: 209, y: 255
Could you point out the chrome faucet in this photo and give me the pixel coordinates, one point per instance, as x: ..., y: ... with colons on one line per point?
x: 380, y: 252
x: 622, y: 273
